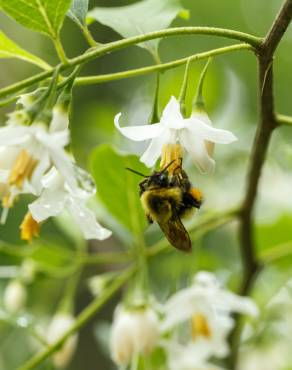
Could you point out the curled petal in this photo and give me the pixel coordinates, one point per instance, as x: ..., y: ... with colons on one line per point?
x: 14, y: 135
x: 86, y: 220
x: 51, y: 203
x: 198, y: 151
x: 171, y: 115
x: 153, y: 152
x: 139, y: 133
x: 206, y: 132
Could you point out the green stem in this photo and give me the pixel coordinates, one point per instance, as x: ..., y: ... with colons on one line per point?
x: 111, y: 257
x: 90, y: 80
x: 183, y: 91
x: 88, y: 37
x: 276, y: 253
x: 120, y: 44
x: 8, y: 101
x: 199, y: 102
x: 87, y: 314
x: 60, y: 51
x: 283, y: 120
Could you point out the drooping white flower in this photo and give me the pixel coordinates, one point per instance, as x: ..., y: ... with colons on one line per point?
x: 208, y: 308
x: 60, y: 323
x: 58, y: 195
x: 15, y: 295
x: 27, y: 153
x: 134, y: 331
x: 191, y: 133
x: 189, y: 356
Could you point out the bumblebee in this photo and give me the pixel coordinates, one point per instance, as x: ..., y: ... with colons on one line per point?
x: 166, y: 199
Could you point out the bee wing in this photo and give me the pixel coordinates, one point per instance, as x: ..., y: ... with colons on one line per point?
x: 176, y: 234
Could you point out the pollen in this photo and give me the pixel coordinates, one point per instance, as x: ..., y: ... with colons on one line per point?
x: 22, y: 169
x: 200, y: 326
x: 171, y: 153
x: 29, y: 228
x: 196, y: 194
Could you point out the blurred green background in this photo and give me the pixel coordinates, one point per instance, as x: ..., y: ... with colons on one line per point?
x: 231, y: 96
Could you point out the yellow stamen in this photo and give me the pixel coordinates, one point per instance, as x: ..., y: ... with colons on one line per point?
x: 29, y: 228
x: 210, y: 148
x: 22, y: 169
x: 171, y: 152
x: 200, y: 326
x: 7, y: 202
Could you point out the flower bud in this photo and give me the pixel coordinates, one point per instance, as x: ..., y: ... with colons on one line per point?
x: 14, y: 296
x: 27, y: 100
x: 28, y: 270
x: 60, y: 118
x: 133, y: 331
x: 60, y: 323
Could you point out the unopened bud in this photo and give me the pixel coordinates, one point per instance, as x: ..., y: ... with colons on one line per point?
x: 60, y: 323
x: 133, y: 331
x: 14, y: 296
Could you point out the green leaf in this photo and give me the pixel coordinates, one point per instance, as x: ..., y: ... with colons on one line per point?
x: 8, y: 49
x: 139, y: 18
x: 118, y: 188
x: 78, y: 11
x: 44, y: 16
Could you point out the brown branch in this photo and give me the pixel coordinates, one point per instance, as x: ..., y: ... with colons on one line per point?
x: 267, y: 123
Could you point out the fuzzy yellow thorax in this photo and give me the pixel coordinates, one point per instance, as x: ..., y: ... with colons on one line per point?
x: 171, y: 153
x: 29, y: 228
x: 200, y: 326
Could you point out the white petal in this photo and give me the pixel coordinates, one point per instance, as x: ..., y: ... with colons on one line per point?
x: 197, y: 149
x: 52, y: 140
x: 202, y: 116
x: 65, y: 166
x: 4, y: 175
x: 234, y: 303
x: 138, y: 133
x: 200, y: 128
x: 53, y: 180
x: 14, y: 135
x: 60, y: 120
x: 49, y: 204
x: 39, y: 171
x: 153, y: 152
x: 171, y: 115
x: 86, y: 220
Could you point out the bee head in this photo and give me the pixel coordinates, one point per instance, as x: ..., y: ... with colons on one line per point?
x: 160, y: 179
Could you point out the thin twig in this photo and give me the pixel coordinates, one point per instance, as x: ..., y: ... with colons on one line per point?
x: 267, y: 123
x: 90, y: 80
x: 99, y: 51
x: 87, y: 314
x: 284, y: 120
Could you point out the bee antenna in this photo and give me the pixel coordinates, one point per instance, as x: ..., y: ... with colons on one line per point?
x: 136, y: 172
x: 169, y: 164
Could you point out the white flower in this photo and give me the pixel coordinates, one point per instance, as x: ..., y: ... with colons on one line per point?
x: 208, y: 308
x: 134, y: 331
x: 58, y: 195
x: 60, y: 323
x: 190, y: 356
x: 15, y: 295
x: 192, y: 133
x: 29, y: 151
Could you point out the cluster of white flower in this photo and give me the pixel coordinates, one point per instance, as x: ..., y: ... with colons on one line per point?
x: 191, y: 326
x: 34, y: 161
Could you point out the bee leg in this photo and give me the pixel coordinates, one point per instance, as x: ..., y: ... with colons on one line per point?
x: 149, y: 218
x: 142, y: 187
